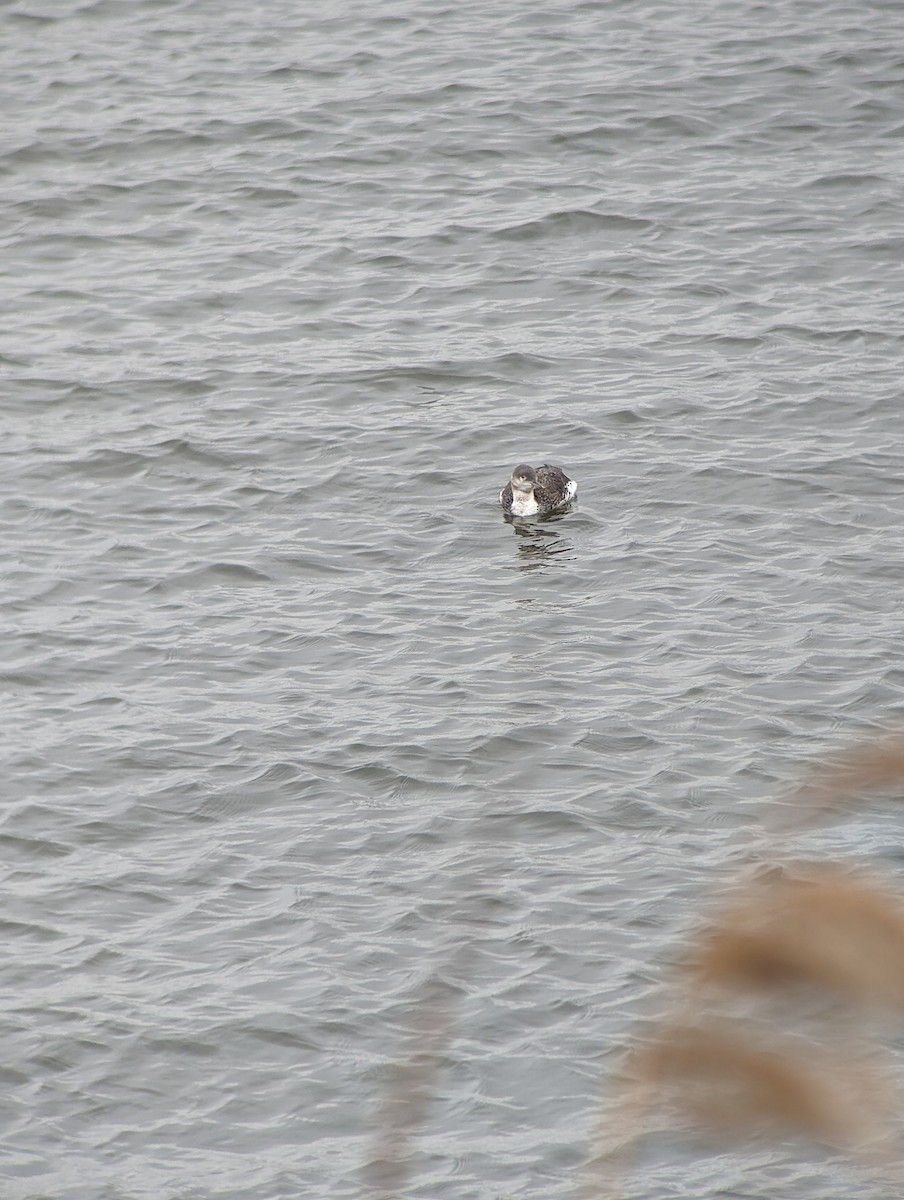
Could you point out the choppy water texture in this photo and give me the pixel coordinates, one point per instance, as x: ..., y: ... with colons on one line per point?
x: 290, y: 711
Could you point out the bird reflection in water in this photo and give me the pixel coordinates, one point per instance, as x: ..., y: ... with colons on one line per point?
x: 539, y: 544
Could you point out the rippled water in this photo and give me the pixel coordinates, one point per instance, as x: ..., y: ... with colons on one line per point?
x: 290, y: 711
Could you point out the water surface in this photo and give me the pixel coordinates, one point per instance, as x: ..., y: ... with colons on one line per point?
x: 290, y: 711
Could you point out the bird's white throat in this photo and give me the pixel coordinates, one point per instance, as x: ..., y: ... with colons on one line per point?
x: 524, y: 504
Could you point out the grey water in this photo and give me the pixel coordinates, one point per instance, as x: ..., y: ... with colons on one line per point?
x: 290, y: 712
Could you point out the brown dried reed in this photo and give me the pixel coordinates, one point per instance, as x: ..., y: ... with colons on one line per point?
x: 810, y: 924
x: 874, y: 764
x: 790, y: 928
x: 717, y: 1077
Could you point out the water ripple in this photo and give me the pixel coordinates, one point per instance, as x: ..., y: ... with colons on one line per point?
x: 292, y: 712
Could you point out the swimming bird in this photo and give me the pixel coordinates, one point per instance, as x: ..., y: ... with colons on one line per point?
x: 537, y: 491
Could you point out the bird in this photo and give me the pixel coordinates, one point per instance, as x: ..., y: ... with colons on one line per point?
x: 533, y: 491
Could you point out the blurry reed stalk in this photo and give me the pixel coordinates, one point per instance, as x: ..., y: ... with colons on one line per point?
x: 620, y: 1125
x: 405, y: 1101
x: 821, y: 926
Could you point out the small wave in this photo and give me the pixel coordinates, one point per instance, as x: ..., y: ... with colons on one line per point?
x: 574, y: 222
